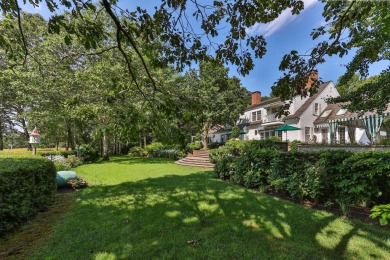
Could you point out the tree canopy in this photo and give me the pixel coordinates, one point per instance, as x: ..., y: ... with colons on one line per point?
x: 96, y: 64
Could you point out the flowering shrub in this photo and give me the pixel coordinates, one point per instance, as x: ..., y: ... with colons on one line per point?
x: 74, y: 161
x: 62, y: 165
x: 78, y: 183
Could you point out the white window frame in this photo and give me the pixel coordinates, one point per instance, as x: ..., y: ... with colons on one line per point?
x: 307, y: 136
x: 316, y: 109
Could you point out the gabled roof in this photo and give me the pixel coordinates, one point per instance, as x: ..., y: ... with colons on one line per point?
x: 335, y: 108
x: 308, y: 102
x: 263, y: 103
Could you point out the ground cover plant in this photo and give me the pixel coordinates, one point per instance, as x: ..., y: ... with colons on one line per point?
x: 143, y: 208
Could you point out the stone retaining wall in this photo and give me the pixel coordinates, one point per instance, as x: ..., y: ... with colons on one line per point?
x: 357, y: 148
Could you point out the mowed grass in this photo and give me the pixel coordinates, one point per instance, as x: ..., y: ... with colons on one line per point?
x: 153, y: 209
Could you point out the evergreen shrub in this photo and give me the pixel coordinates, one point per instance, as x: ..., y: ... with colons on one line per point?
x: 27, y: 186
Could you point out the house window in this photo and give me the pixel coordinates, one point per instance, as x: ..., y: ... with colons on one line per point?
x: 307, y: 134
x: 222, y: 138
x: 324, y: 133
x: 280, y: 134
x: 267, y: 135
x: 316, y: 109
x: 262, y: 136
x: 256, y: 132
x: 342, y: 135
x: 256, y: 116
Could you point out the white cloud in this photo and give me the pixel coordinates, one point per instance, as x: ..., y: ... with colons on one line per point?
x: 284, y: 18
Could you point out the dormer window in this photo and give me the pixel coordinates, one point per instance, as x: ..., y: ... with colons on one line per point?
x: 256, y: 116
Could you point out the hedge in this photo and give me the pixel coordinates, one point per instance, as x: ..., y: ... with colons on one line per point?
x: 341, y: 177
x: 27, y: 186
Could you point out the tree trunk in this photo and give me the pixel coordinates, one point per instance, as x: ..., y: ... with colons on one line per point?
x: 57, y: 144
x: 26, y: 134
x: 1, y: 137
x: 115, y: 145
x: 106, y: 144
x: 144, y: 141
x: 205, y: 134
x: 70, y: 138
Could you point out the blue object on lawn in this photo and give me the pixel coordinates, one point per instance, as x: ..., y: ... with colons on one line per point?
x: 63, y: 177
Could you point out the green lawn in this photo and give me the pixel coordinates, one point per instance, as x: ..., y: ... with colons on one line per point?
x: 152, y: 208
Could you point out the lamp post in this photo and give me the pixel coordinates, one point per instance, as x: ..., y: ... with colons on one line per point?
x: 35, y: 139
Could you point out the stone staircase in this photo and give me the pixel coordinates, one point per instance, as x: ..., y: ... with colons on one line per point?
x: 199, y: 160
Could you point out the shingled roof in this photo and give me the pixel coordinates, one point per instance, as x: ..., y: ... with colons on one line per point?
x: 263, y: 103
x: 335, y: 108
x: 308, y: 102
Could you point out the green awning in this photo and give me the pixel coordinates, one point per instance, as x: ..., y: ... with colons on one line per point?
x: 287, y: 128
x: 242, y: 132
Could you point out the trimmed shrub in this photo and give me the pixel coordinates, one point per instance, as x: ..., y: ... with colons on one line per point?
x: 364, y: 177
x: 338, y: 176
x: 196, y: 145
x: 137, y: 151
x: 27, y: 186
x: 214, y: 145
x: 88, y: 153
x: 64, y: 154
x: 244, y: 162
x: 154, y: 148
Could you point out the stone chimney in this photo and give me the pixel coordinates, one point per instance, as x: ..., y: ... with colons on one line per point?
x: 313, y: 75
x: 256, y: 97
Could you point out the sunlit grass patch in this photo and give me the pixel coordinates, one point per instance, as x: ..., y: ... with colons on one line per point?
x: 146, y: 208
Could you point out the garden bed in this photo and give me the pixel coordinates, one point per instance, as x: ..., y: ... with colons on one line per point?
x: 357, y: 213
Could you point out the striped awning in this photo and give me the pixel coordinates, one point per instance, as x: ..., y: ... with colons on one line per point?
x: 340, y: 120
x: 333, y: 128
x: 322, y: 126
x: 371, y: 122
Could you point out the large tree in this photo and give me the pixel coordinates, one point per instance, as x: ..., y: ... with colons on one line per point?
x: 360, y: 26
x: 170, y: 26
x: 220, y: 99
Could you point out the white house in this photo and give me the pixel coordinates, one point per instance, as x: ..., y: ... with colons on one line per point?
x: 318, y: 121
x: 260, y: 120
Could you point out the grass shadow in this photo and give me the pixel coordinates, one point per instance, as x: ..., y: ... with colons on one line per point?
x: 194, y: 216
x: 136, y: 160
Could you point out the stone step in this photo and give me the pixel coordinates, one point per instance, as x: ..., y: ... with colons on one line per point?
x: 201, y: 160
x: 202, y: 156
x: 196, y: 159
x: 204, y: 165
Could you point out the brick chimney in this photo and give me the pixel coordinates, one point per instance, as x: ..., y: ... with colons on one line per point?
x: 256, y: 97
x: 312, y: 75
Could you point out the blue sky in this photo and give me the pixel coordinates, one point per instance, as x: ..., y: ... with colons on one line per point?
x: 288, y: 32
